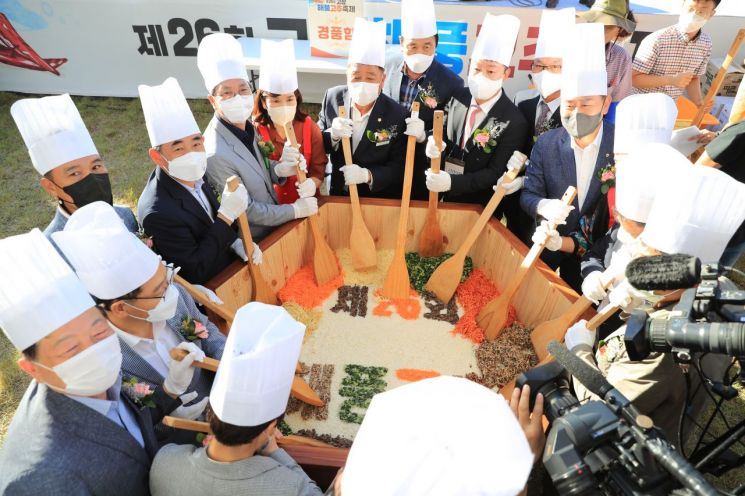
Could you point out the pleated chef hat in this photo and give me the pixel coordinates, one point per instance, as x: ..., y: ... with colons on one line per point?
x: 418, y: 19
x: 696, y: 213
x: 497, y: 38
x: 219, y: 58
x: 554, y: 31
x: 39, y: 293
x: 277, y: 73
x: 644, y: 118
x: 109, y: 260
x: 583, y: 67
x: 368, y: 43
x: 642, y: 174
x: 437, y: 451
x: 253, y: 382
x: 52, y: 130
x: 167, y: 114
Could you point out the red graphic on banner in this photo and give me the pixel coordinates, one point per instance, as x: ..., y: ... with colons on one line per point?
x: 528, y: 50
x: 16, y: 52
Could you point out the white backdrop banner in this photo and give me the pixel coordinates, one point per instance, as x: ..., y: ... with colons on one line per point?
x: 108, y: 47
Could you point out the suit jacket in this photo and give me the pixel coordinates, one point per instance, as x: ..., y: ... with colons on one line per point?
x: 133, y: 365
x: 58, y: 446
x: 528, y: 108
x: 228, y: 156
x: 385, y: 160
x: 59, y: 221
x: 482, y: 168
x: 182, y: 232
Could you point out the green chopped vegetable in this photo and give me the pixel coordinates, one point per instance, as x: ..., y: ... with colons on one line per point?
x: 421, y: 268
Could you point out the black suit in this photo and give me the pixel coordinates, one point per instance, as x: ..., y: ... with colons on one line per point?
x: 385, y: 160
x: 529, y: 108
x: 182, y: 231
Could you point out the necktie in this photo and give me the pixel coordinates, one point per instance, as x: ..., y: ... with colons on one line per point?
x: 473, y: 111
x: 543, y: 119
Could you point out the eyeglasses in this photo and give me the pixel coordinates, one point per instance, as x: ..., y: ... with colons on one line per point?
x: 553, y: 69
x: 171, y: 272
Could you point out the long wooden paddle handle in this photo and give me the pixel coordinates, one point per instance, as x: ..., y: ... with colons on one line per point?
x: 406, y: 192
x: 346, y: 146
x: 601, y: 317
x: 202, y: 298
x: 233, y: 183
x: 208, y: 363
x: 437, y: 124
x: 719, y: 80
x: 290, y: 134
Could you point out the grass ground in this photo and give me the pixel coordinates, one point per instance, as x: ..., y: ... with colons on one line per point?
x: 118, y: 129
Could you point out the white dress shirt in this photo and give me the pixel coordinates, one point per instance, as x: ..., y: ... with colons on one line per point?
x: 199, y: 195
x: 584, y: 162
x: 359, y: 125
x: 481, y: 112
x: 156, y: 351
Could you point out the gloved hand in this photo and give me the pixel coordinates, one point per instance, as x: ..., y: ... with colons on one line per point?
x: 550, y: 238
x: 240, y: 250
x: 579, y: 334
x: 341, y: 128
x: 592, y: 287
x: 516, y: 161
x: 289, y: 161
x: 511, y: 186
x: 234, y: 203
x: 437, y: 183
x: 305, y: 207
x: 415, y: 127
x: 625, y: 297
x: 180, y: 373
x: 354, y: 174
x: 554, y: 211
x: 208, y: 293
x: 191, y: 412
x: 431, y: 149
x: 306, y: 189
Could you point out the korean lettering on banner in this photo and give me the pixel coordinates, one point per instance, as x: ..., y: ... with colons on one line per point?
x: 330, y: 25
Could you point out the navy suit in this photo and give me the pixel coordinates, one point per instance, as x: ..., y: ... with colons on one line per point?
x: 182, y: 231
x: 384, y: 160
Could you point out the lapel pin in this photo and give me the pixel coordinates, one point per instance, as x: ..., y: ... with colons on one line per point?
x: 379, y: 119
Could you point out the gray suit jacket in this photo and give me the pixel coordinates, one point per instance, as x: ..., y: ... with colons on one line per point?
x: 228, y: 156
x: 186, y: 470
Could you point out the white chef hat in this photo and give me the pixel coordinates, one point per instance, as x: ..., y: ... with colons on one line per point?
x: 497, y: 38
x: 253, y: 382
x: 219, y: 58
x: 641, y: 175
x: 368, y: 43
x: 109, y: 260
x: 696, y: 213
x: 583, y: 67
x: 644, y: 118
x: 52, y: 130
x: 418, y: 19
x: 39, y: 293
x: 277, y: 73
x: 437, y: 451
x: 167, y: 114
x: 555, y: 27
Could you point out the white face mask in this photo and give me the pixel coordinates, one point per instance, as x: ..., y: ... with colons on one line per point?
x: 282, y: 115
x: 92, y: 371
x: 689, y: 22
x: 164, y: 310
x: 418, y: 62
x: 188, y: 167
x: 363, y: 93
x: 547, y: 83
x: 237, y: 109
x: 483, y: 88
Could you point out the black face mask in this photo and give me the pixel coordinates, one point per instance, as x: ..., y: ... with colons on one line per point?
x: 92, y: 188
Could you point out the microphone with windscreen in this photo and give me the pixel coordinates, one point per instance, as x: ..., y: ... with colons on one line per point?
x: 664, y: 272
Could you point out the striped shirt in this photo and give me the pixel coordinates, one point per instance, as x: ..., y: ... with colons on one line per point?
x: 618, y: 65
x: 667, y: 52
x: 409, y: 88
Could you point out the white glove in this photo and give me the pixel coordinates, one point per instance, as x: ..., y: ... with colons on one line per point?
x: 431, y: 149
x: 208, y: 293
x: 511, y: 186
x: 516, y: 161
x: 354, y: 174
x: 191, y: 412
x: 234, y: 203
x: 289, y: 161
x: 550, y: 238
x: 306, y: 189
x: 554, y: 211
x: 341, y: 128
x: 625, y: 297
x: 439, y: 182
x: 415, y: 127
x: 305, y: 207
x: 180, y: 373
x: 592, y: 287
x: 240, y: 250
x: 579, y: 334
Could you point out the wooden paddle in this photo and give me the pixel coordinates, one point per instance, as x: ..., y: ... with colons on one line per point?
x: 397, y: 284
x: 300, y: 389
x: 361, y: 242
x: 601, y: 317
x: 492, y: 318
x: 325, y: 267
x: 262, y: 291
x: 202, y: 298
x: 430, y: 237
x: 445, y: 279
